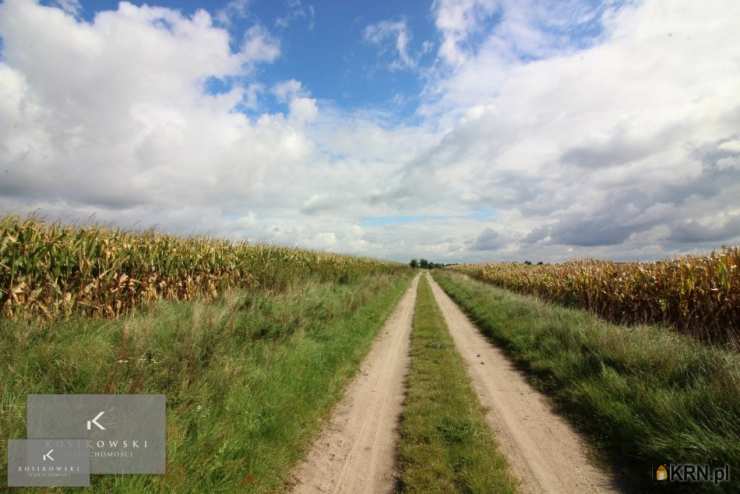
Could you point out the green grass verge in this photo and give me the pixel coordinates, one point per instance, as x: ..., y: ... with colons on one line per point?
x: 645, y: 395
x: 445, y: 444
x: 248, y: 378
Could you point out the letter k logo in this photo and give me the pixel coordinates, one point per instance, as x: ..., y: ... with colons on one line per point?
x: 48, y: 456
x: 95, y: 422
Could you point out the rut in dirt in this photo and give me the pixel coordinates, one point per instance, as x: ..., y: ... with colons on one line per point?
x: 355, y: 451
x: 543, y: 450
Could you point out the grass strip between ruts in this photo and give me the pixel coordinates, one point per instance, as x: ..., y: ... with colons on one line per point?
x: 445, y: 444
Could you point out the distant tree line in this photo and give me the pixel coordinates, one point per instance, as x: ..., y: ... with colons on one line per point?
x: 424, y: 264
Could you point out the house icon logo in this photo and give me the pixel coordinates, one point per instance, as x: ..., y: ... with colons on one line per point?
x: 661, y: 473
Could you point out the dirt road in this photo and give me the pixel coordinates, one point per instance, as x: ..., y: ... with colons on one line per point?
x: 355, y: 451
x: 543, y: 450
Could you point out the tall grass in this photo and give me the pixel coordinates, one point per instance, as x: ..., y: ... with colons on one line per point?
x: 644, y: 395
x: 52, y: 269
x: 248, y: 376
x: 697, y: 295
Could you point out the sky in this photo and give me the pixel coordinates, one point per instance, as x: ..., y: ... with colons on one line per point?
x: 454, y: 130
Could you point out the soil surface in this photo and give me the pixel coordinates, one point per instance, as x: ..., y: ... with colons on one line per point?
x: 544, y: 452
x: 355, y: 452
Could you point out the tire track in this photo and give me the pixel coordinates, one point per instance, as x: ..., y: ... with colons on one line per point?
x: 355, y: 452
x: 544, y: 452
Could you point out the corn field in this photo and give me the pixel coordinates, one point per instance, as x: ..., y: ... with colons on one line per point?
x: 696, y: 295
x: 53, y: 270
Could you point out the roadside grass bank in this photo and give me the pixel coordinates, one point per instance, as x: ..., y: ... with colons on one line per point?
x: 644, y: 395
x: 445, y: 445
x: 248, y: 377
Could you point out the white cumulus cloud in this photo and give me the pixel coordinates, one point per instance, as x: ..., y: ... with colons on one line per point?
x: 545, y: 131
